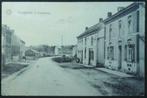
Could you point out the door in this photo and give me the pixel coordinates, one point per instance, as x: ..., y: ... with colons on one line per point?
x: 120, y: 57
x: 100, y: 51
x: 81, y: 56
x: 90, y: 56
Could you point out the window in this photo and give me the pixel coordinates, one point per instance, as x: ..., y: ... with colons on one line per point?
x: 92, y: 53
x: 91, y: 40
x: 129, y: 23
x: 112, y: 53
x: 120, y: 26
x: 137, y: 22
x: 110, y: 31
x: 85, y: 40
x: 85, y: 53
x: 131, y: 53
x: 104, y: 50
x: 125, y: 53
x: 107, y: 52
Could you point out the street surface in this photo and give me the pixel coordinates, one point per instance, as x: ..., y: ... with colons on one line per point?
x: 46, y: 78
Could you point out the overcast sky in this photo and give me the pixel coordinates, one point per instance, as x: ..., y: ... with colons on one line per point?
x: 45, y: 22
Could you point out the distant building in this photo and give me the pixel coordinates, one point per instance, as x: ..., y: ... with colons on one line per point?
x: 74, y: 51
x: 12, y: 47
x: 42, y: 53
x: 18, y: 48
x: 125, y: 33
x: 7, y: 34
x: 22, y: 48
x: 90, y: 47
x: 57, y: 48
x: 32, y: 54
x: 3, y: 51
x: 52, y: 50
x: 66, y: 50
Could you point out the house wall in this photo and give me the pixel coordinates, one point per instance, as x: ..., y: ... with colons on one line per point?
x: 3, y: 51
x: 80, y: 49
x: 7, y: 43
x: 74, y: 51
x: 100, y: 47
x: 125, y: 38
x: 89, y: 46
x: 93, y: 43
x: 142, y: 41
x: 18, y: 47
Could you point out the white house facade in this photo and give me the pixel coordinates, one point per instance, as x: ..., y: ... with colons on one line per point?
x: 125, y: 32
x: 89, y: 43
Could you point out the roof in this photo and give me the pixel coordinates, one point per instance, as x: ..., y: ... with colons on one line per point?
x: 67, y: 46
x: 91, y: 29
x: 22, y: 41
x: 123, y: 12
x: 33, y: 50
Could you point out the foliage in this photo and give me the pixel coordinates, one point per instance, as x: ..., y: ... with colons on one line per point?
x: 62, y: 59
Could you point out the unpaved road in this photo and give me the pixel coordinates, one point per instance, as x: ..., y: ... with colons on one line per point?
x: 46, y: 78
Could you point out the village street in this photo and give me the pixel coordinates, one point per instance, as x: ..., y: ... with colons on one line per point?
x: 48, y: 78
x: 45, y: 77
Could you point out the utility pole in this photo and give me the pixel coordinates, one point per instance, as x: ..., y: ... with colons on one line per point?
x: 62, y: 44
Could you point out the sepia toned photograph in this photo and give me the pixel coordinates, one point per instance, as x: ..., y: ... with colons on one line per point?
x: 73, y: 48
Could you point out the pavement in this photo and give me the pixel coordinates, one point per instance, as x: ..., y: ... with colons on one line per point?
x: 114, y: 72
x: 121, y: 74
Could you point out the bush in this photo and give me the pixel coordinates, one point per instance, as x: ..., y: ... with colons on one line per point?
x: 62, y: 59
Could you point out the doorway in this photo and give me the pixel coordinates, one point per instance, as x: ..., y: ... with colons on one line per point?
x: 81, y: 61
x: 91, y: 56
x: 120, y: 57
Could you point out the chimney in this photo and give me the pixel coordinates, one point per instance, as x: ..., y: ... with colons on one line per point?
x: 120, y: 8
x: 86, y: 28
x: 100, y: 19
x: 109, y: 14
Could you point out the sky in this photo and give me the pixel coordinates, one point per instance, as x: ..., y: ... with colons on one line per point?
x: 54, y: 23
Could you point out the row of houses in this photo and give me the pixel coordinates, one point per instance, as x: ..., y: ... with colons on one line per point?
x: 116, y: 42
x: 12, y: 46
x: 45, y: 50
x: 68, y: 50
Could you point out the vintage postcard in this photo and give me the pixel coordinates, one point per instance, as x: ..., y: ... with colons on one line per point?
x: 73, y: 49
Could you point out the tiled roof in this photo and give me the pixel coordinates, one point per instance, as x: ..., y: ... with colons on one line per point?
x: 91, y: 29
x: 123, y: 11
x: 98, y: 27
